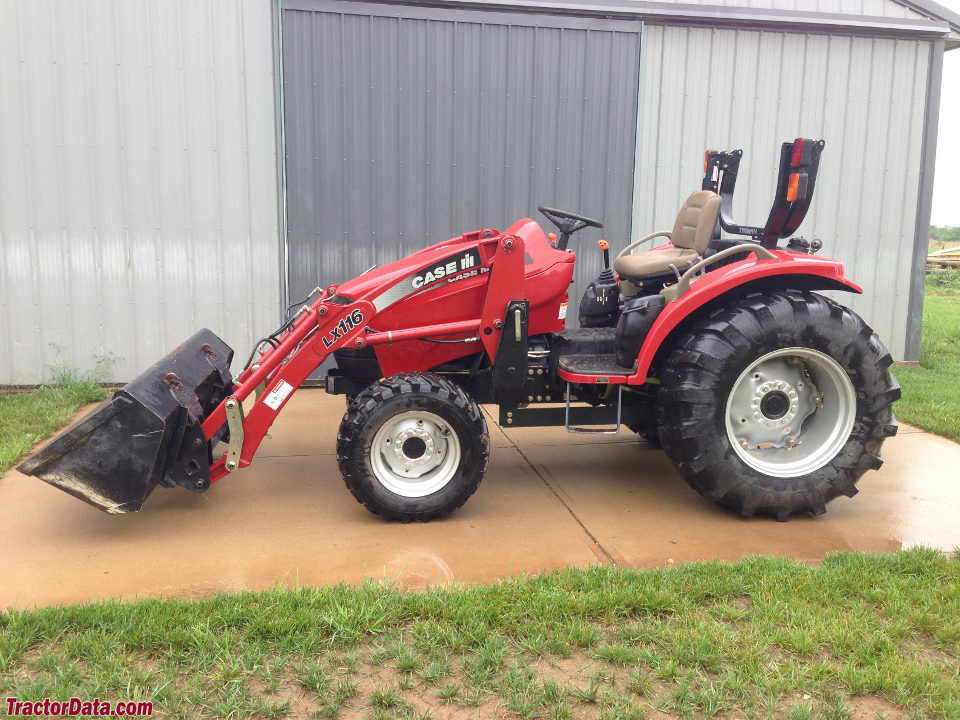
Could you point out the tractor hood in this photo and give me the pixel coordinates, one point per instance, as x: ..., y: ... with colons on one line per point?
x: 451, y: 261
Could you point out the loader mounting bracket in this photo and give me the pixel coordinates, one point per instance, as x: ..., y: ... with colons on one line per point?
x: 510, y: 368
x: 190, y: 468
x: 234, y: 411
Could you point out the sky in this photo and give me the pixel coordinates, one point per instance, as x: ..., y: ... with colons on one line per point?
x: 946, y: 181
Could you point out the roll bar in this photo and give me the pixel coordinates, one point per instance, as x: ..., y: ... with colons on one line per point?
x: 799, y: 164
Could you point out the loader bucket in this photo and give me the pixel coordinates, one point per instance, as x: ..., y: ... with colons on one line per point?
x: 149, y: 433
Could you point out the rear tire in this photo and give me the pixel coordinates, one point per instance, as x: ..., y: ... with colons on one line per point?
x: 649, y: 432
x: 777, y: 403
x: 413, y: 447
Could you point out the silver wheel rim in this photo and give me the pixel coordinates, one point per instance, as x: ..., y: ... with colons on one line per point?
x: 791, y: 412
x: 415, y: 454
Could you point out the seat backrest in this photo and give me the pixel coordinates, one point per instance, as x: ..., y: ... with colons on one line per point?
x: 696, y: 221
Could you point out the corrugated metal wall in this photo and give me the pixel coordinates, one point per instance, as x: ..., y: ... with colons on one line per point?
x: 138, y: 180
x: 405, y: 131
x: 728, y: 89
x: 138, y: 168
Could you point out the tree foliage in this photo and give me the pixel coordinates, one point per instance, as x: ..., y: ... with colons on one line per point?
x: 945, y: 233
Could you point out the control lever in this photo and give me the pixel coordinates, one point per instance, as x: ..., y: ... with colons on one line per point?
x: 606, y: 275
x: 599, y: 305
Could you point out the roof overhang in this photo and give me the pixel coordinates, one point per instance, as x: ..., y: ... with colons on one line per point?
x: 936, y: 27
x: 937, y: 11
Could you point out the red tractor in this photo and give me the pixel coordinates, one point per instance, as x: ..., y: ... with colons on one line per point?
x: 767, y: 397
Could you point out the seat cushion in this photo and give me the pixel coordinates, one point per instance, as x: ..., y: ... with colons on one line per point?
x: 654, y: 262
x: 696, y: 221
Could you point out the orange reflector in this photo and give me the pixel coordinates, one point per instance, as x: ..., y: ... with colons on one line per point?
x: 604, y: 245
x: 792, y: 185
x: 706, y: 159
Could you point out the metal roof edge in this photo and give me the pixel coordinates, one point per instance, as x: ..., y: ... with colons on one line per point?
x: 710, y: 15
x: 933, y: 9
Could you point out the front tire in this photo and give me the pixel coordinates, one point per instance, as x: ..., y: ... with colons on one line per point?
x: 413, y: 447
x: 777, y: 403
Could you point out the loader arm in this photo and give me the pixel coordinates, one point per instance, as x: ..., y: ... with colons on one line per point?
x: 328, y: 326
x: 164, y: 427
x: 321, y: 330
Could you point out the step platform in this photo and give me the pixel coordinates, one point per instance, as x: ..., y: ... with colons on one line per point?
x: 592, y: 369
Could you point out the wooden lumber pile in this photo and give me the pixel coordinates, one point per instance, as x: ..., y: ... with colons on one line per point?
x: 945, y: 259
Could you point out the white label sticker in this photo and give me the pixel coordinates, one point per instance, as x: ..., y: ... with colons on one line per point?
x: 563, y: 311
x: 280, y: 393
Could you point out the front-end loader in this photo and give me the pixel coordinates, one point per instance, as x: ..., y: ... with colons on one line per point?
x: 767, y: 397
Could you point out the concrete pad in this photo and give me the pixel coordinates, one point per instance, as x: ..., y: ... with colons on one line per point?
x: 306, y: 426
x: 642, y: 513
x: 549, y: 500
x: 286, y: 519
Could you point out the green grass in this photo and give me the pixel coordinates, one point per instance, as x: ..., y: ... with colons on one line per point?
x: 762, y: 638
x: 931, y: 390
x: 942, y: 282
x: 29, y: 417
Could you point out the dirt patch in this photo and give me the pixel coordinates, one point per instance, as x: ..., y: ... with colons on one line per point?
x: 27, y: 667
x: 591, y: 689
x: 304, y: 705
x: 935, y: 655
x: 744, y: 603
x: 573, y: 671
x: 871, y: 707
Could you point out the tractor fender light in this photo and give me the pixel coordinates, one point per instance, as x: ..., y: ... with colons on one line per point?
x: 792, y: 186
x: 802, y: 152
x: 797, y: 152
x: 797, y: 187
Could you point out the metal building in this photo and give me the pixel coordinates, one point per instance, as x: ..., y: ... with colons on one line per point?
x: 168, y: 165
x: 139, y: 191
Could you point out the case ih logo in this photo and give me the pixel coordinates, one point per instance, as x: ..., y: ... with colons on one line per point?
x: 456, y: 267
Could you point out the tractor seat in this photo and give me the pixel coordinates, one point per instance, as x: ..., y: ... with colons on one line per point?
x: 690, y: 236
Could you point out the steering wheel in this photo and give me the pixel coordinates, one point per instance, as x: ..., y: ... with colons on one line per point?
x: 567, y: 223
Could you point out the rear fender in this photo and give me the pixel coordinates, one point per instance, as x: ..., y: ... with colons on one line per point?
x: 788, y: 270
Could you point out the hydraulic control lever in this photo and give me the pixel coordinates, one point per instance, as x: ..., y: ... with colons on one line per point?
x: 600, y: 302
x: 606, y: 275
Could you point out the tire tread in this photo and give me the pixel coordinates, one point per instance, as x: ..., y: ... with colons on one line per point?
x: 367, y: 402
x: 688, y: 405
